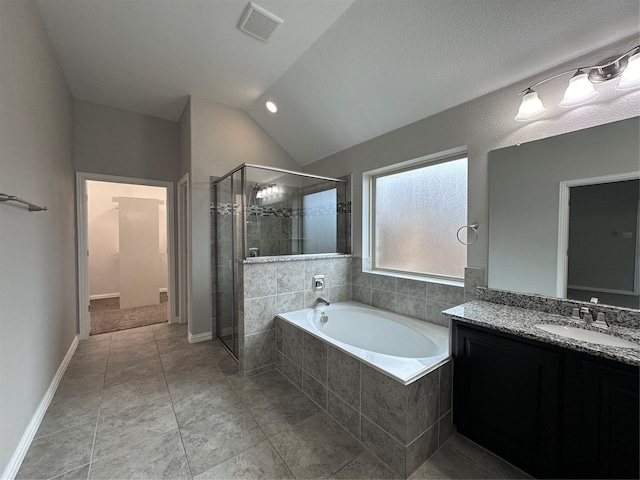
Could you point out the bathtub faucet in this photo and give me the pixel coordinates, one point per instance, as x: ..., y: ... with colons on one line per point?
x: 320, y: 300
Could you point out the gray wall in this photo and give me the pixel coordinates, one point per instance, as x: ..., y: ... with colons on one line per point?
x: 222, y: 138
x: 112, y: 141
x: 599, y: 254
x: 484, y: 124
x: 184, y: 127
x: 37, y: 250
x: 524, y: 183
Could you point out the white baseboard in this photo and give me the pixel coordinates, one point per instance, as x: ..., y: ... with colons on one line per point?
x: 100, y: 296
x: 200, y: 337
x: 25, y: 442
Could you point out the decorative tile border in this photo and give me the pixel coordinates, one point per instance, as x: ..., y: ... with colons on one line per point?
x: 342, y: 208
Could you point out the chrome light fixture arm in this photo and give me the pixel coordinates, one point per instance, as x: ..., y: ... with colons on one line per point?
x: 580, y: 89
x: 599, y: 68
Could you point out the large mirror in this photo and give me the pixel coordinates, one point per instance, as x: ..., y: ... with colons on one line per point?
x: 563, y: 215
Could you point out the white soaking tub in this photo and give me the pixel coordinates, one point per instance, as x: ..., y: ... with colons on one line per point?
x: 401, y: 347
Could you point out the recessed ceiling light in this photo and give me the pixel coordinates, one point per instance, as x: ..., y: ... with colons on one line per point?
x: 272, y: 107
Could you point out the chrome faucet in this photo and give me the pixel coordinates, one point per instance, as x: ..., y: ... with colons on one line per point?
x: 587, y: 315
x: 320, y: 300
x: 591, y: 317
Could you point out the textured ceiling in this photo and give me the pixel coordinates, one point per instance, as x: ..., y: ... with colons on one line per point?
x: 341, y: 72
x: 147, y: 56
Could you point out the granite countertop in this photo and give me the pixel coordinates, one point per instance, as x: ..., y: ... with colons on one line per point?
x: 520, y: 321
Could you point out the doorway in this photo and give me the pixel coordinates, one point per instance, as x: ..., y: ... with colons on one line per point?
x: 125, y: 253
x: 602, y: 224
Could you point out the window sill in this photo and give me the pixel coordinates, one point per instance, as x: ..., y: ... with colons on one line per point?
x: 419, y: 278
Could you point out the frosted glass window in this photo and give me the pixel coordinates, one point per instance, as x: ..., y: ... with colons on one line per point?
x: 320, y: 222
x: 417, y: 213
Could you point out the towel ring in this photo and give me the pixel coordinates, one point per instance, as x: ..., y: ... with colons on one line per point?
x: 474, y: 228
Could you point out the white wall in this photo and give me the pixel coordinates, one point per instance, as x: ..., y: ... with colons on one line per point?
x: 222, y: 138
x: 103, y: 233
x: 483, y: 125
x: 37, y: 250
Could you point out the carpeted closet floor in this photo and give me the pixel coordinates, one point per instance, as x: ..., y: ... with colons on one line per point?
x: 107, y: 316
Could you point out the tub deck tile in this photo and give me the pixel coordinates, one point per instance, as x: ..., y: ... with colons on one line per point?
x: 343, y: 376
x: 384, y: 401
x: 423, y: 405
x: 315, y: 358
x: 344, y: 414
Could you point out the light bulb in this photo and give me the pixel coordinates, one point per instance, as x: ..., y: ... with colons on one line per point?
x: 272, y: 107
x: 631, y: 75
x: 579, y: 91
x: 531, y: 107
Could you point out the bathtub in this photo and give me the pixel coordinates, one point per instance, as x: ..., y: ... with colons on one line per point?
x: 400, y: 347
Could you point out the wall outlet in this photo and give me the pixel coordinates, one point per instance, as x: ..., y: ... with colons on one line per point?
x: 318, y: 282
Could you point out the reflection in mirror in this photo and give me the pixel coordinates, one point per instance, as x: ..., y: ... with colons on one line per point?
x: 527, y: 230
x: 603, y: 243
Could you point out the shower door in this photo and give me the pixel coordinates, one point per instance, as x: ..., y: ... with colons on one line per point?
x: 226, y: 275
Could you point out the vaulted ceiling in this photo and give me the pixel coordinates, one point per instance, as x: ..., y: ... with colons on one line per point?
x: 341, y: 71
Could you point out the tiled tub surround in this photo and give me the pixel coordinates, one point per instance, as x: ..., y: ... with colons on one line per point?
x: 422, y: 300
x: 400, y: 347
x: 403, y: 425
x: 520, y: 321
x: 271, y: 285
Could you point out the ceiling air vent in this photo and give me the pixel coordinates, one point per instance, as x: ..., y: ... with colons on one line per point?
x: 259, y: 23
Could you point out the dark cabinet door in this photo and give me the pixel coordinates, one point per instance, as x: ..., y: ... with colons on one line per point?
x: 603, y: 420
x: 507, y: 397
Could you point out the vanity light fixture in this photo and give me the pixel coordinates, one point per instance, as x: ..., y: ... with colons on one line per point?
x: 271, y: 106
x: 268, y: 191
x: 631, y: 75
x: 580, y: 89
x: 531, y: 106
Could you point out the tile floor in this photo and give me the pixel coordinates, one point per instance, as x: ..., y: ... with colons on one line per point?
x: 144, y: 403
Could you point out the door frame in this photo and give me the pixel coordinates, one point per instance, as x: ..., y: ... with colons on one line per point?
x: 563, y: 225
x: 184, y: 251
x: 84, y: 318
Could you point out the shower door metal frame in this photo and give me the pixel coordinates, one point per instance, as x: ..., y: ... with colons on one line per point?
x: 234, y: 325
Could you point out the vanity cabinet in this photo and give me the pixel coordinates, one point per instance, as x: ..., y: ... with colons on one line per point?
x: 550, y: 411
x: 602, y: 419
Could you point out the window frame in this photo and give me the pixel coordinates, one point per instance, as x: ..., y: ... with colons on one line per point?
x: 369, y: 209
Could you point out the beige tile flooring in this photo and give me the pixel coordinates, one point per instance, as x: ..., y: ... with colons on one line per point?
x: 144, y: 403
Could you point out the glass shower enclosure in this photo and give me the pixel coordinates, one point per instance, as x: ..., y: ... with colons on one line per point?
x: 261, y: 211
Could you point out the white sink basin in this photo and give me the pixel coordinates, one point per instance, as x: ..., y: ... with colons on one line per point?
x: 586, y: 335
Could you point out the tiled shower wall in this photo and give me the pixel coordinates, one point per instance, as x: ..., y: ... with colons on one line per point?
x: 277, y: 287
